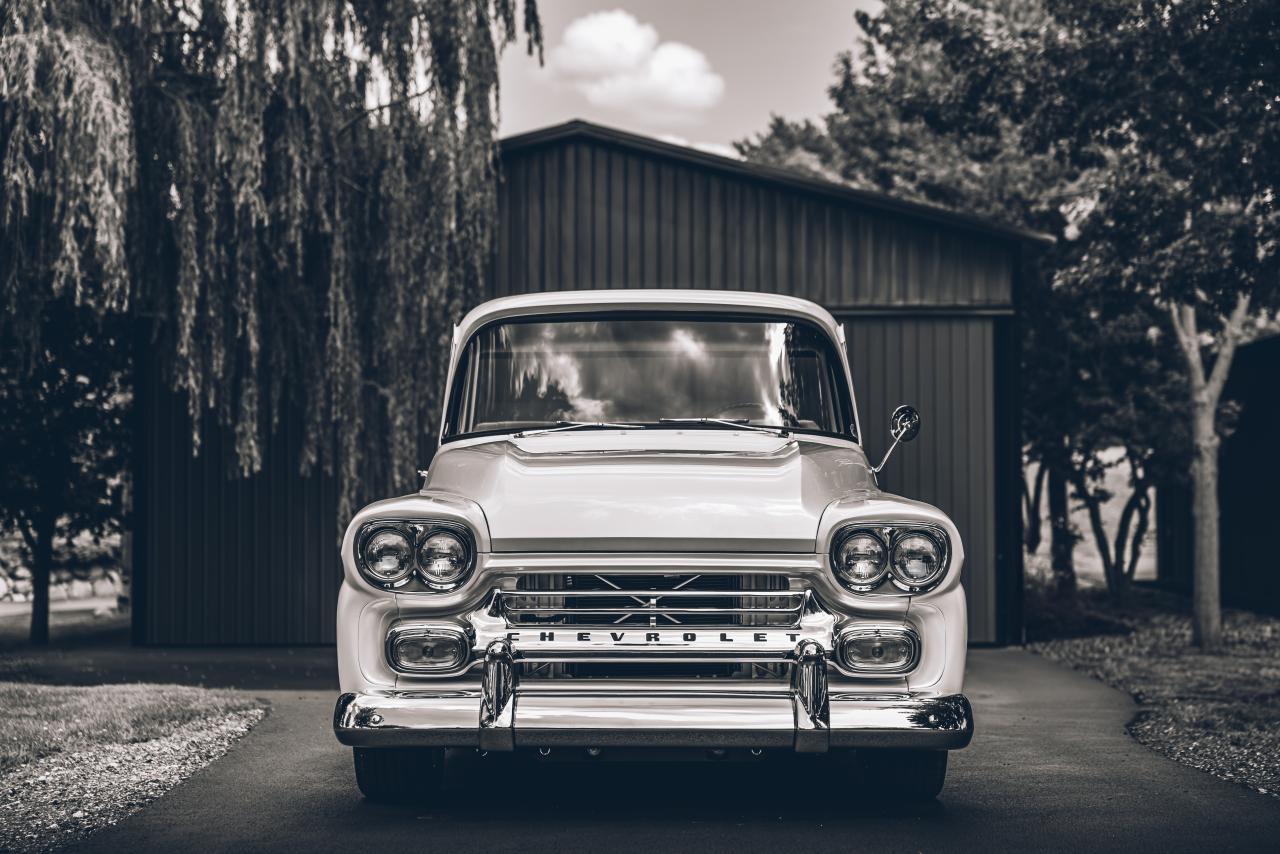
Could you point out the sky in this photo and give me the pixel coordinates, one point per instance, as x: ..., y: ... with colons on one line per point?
x: 695, y: 72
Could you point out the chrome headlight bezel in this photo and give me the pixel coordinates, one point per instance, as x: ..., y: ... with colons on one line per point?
x: 836, y: 563
x: 890, y: 534
x: 367, y: 534
x: 910, y: 585
x: 417, y: 531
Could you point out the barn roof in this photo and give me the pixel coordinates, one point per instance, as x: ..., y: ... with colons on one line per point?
x: 579, y: 130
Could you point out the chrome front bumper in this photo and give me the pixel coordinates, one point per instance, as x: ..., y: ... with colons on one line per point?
x: 499, y: 714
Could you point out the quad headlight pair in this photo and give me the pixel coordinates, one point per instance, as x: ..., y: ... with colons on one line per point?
x: 392, y: 554
x: 913, y: 557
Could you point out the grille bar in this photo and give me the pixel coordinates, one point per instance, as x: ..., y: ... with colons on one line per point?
x: 659, y: 610
x: 663, y: 594
x: 636, y: 600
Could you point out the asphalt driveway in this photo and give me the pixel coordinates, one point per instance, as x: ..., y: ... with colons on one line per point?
x: 1051, y: 768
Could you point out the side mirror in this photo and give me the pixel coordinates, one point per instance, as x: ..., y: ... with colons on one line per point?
x: 904, y: 425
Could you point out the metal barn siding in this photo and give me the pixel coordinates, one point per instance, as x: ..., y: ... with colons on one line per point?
x: 942, y: 366
x: 225, y: 560
x: 927, y: 297
x: 585, y: 214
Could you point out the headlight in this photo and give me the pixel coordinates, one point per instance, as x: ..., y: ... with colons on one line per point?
x: 415, y: 556
x: 443, y: 559
x: 387, y: 555
x: 916, y: 561
x: 860, y: 561
x: 914, y: 556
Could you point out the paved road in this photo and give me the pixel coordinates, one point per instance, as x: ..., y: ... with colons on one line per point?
x: 1051, y: 768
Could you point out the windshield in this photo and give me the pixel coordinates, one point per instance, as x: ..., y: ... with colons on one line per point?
x: 525, y: 374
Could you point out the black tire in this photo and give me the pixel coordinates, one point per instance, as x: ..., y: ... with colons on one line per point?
x: 399, y: 775
x: 910, y: 775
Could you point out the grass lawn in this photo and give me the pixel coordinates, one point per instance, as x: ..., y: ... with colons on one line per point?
x: 1218, y: 713
x: 41, y: 720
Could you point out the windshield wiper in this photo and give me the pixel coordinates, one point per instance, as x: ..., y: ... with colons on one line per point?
x: 578, y: 425
x: 729, y: 422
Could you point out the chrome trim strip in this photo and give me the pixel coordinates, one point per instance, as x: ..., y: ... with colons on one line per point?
x: 656, y: 610
x: 622, y: 563
x: 659, y: 594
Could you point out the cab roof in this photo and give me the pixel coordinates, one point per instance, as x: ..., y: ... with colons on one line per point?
x: 644, y: 299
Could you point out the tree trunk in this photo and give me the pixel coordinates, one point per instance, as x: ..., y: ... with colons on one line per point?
x: 1206, y: 600
x: 1139, y: 535
x: 1206, y: 391
x: 1031, y: 506
x: 41, y: 572
x: 1061, y: 537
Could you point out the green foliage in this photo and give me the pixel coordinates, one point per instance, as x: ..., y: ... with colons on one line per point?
x: 923, y: 110
x: 298, y: 193
x: 1182, y: 129
x: 66, y: 168
x: 64, y: 430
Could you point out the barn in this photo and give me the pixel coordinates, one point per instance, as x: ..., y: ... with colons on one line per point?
x: 929, y: 299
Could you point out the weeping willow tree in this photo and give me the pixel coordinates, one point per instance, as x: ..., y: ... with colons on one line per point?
x: 297, y: 194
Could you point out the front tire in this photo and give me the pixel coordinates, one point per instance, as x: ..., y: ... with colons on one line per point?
x: 399, y: 775
x: 910, y: 775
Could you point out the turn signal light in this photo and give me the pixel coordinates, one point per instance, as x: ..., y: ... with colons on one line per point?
x: 420, y: 649
x: 882, y: 650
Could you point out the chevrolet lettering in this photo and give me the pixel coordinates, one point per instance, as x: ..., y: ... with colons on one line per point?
x: 651, y: 523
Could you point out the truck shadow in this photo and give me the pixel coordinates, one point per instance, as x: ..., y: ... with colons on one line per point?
x: 779, y: 787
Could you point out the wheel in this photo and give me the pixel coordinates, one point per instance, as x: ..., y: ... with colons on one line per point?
x: 911, y: 775
x: 399, y: 774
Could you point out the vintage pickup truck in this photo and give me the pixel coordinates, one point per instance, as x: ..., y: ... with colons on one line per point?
x: 651, y: 523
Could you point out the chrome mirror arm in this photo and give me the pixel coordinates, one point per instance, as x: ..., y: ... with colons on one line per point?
x: 904, y: 425
x: 887, y: 454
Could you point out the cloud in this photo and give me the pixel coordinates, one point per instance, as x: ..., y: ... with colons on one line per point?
x: 619, y: 63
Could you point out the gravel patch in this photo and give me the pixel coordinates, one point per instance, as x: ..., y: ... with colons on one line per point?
x: 66, y: 796
x: 1218, y: 713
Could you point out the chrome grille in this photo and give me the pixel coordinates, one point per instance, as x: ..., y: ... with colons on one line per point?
x: 653, y: 600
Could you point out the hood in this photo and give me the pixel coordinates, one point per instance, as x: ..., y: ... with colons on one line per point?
x: 655, y: 490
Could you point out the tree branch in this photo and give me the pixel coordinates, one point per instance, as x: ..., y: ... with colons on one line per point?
x: 24, y: 525
x: 1139, y: 533
x: 1183, y: 316
x: 1122, y: 529
x: 1231, y: 335
x: 1096, y: 525
x: 378, y: 107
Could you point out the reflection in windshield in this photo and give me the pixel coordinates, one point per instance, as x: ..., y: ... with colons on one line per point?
x: 518, y: 375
